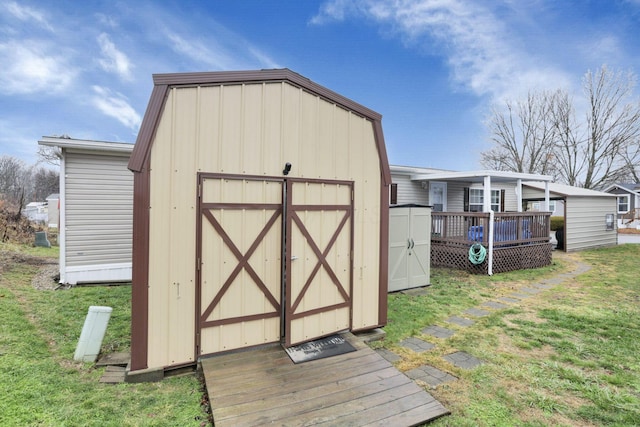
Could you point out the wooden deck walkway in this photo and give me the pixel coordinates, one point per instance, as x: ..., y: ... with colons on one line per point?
x: 357, y: 389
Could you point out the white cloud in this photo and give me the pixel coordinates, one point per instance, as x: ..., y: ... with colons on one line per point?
x: 28, y: 67
x: 112, y: 59
x: 106, y: 20
x: 602, y: 48
x: 234, y: 53
x: 483, y: 53
x: 198, y: 51
x: 117, y: 106
x: 220, y: 50
x: 25, y: 13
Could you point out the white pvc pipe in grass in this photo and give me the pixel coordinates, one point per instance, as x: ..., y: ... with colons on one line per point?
x: 95, y: 326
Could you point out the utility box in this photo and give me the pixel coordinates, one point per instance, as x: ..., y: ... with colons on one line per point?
x: 95, y: 326
x: 409, y: 247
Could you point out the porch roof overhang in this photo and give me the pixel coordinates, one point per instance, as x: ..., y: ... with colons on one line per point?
x: 480, y: 175
x: 84, y: 145
x: 487, y: 177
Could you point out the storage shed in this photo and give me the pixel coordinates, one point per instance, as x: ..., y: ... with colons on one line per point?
x: 96, y: 210
x: 260, y: 216
x: 409, y: 246
x: 589, y: 215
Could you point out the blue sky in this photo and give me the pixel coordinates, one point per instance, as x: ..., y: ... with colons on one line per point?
x: 432, y: 68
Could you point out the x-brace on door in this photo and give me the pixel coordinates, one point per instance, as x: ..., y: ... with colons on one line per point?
x: 265, y: 240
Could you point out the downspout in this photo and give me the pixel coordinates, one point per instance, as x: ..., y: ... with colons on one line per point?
x: 62, y: 220
x: 490, y: 260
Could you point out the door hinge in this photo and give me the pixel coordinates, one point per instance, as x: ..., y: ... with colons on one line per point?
x: 199, y: 191
x: 198, y: 264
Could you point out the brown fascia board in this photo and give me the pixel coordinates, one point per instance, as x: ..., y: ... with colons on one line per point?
x: 162, y: 83
x: 148, y: 128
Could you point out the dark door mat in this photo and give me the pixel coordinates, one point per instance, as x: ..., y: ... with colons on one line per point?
x: 319, y: 349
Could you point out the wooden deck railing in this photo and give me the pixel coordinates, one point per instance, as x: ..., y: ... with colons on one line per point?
x: 509, y: 228
x: 632, y: 215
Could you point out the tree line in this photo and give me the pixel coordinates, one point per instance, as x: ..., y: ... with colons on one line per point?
x: 21, y: 184
x: 592, y: 141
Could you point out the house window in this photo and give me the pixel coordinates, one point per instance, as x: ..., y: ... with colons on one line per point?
x: 476, y: 200
x: 537, y: 206
x: 623, y: 203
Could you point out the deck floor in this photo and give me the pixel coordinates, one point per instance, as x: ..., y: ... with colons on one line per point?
x: 360, y: 388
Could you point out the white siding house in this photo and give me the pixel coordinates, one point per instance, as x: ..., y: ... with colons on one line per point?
x: 448, y: 191
x: 96, y: 210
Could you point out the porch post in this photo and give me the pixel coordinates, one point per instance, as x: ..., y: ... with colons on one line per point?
x: 546, y: 196
x: 519, y: 194
x: 486, y: 206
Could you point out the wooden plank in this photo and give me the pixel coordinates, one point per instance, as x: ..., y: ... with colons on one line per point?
x: 282, y: 367
x: 297, y: 381
x: 377, y: 409
x: 263, y: 386
x: 296, y: 404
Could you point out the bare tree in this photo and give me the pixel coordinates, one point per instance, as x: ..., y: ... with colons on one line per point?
x: 612, y: 125
x: 13, y: 182
x: 20, y: 184
x: 523, y: 136
x: 543, y: 135
x: 45, y: 182
x: 567, y: 157
x: 50, y: 155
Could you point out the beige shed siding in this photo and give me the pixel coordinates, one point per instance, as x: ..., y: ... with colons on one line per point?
x: 248, y: 129
x: 585, y: 225
x: 98, y: 209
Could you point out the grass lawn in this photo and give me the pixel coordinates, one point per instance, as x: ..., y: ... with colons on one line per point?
x: 41, y: 385
x: 569, y: 356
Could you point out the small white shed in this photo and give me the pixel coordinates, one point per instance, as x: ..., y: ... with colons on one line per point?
x: 409, y: 246
x: 96, y: 210
x: 589, y: 215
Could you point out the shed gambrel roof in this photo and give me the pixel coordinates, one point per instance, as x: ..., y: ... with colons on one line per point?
x: 163, y: 82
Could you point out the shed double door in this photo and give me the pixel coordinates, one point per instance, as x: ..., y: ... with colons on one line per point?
x: 274, y: 261
x: 409, y: 247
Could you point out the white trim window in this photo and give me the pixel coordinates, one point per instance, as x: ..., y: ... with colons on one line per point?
x: 537, y: 206
x: 623, y: 203
x: 476, y: 200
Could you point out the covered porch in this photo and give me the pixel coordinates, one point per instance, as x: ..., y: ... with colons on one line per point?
x: 486, y: 208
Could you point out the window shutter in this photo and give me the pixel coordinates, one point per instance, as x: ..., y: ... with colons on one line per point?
x: 502, y: 193
x: 466, y: 199
x: 394, y: 194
